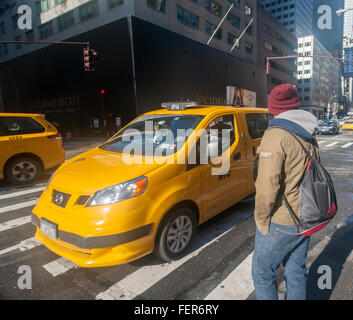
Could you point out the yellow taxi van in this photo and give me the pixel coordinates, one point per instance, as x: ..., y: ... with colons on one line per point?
x: 149, y: 186
x: 28, y: 145
x: 347, y: 125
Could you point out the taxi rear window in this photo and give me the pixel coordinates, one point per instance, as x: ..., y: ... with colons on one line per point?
x: 154, y: 134
x: 19, y: 125
x: 257, y: 123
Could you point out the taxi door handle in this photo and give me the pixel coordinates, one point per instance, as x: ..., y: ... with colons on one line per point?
x: 237, y: 156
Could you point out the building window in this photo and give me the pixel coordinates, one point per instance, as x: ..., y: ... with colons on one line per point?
x: 236, y: 3
x: 249, y: 30
x: 248, y: 47
x: 248, y: 10
x: 210, y: 28
x: 14, y: 21
x: 233, y: 20
x: 214, y: 7
x: 114, y: 3
x: 44, y: 5
x: 66, y: 20
x: 187, y: 18
x: 30, y: 35
x: 159, y: 5
x: 57, y: 2
x: 46, y: 30
x: 268, y: 46
x: 2, y: 28
x: 18, y: 45
x: 231, y: 39
x: 88, y: 10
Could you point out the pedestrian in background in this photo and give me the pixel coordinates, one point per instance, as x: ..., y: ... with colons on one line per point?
x: 282, y: 163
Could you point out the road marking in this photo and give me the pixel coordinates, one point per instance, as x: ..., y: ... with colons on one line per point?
x: 59, y: 266
x: 145, y: 277
x: 22, y: 246
x: 18, y: 206
x: 347, y: 145
x: 237, y: 286
x: 322, y: 141
x: 14, y: 223
x: 332, y: 144
x: 20, y: 193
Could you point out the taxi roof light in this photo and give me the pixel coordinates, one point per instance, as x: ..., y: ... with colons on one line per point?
x: 179, y: 105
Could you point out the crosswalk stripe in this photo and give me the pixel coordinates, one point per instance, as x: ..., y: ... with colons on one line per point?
x: 237, y: 286
x: 59, y: 266
x: 145, y: 277
x: 20, y: 193
x: 18, y: 206
x: 322, y: 141
x: 347, y: 145
x: 332, y: 144
x: 14, y: 223
x: 22, y: 246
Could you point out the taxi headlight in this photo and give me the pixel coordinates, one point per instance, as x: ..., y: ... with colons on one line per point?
x: 119, y: 192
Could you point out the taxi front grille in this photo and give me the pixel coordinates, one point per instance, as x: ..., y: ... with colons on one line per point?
x: 82, y: 200
x: 60, y: 198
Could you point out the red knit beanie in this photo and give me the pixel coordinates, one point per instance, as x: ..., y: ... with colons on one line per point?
x: 283, y: 98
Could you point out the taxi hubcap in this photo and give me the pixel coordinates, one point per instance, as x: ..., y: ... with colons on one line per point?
x: 179, y: 234
x: 24, y: 171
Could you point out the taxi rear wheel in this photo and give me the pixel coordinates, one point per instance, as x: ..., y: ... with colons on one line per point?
x: 22, y: 171
x: 175, y: 234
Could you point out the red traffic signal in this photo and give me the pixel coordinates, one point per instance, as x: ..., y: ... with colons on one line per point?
x: 90, y: 58
x: 102, y: 91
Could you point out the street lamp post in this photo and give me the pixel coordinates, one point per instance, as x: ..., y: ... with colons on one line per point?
x: 329, y: 106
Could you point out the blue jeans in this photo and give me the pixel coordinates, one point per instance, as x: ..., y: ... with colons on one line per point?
x: 280, y: 244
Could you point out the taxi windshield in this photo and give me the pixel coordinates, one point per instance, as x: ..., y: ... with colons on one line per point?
x: 153, y: 134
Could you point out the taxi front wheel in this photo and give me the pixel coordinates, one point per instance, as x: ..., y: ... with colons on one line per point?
x: 175, y: 234
x: 22, y: 171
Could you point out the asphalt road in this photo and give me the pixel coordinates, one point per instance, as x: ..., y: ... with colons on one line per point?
x: 217, y: 267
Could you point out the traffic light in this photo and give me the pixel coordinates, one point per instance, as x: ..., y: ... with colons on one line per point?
x: 90, y: 58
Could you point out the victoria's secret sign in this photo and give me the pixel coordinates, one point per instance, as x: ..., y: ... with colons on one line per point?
x: 51, y: 105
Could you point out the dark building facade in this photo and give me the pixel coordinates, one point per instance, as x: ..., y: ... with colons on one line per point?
x: 274, y: 40
x: 140, y: 66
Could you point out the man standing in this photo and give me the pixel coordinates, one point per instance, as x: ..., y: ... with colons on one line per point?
x: 282, y: 163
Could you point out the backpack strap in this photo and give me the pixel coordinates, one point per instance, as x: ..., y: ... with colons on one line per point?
x: 296, y: 138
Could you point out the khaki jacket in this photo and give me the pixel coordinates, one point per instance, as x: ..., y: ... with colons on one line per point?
x: 282, y: 163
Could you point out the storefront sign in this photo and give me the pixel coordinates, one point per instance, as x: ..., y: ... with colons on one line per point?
x: 59, y: 104
x: 241, y: 97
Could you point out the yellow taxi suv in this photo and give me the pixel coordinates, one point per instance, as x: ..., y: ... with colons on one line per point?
x: 149, y: 186
x: 347, y: 125
x: 29, y: 144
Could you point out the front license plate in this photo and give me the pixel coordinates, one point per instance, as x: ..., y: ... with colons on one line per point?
x: 49, y: 229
